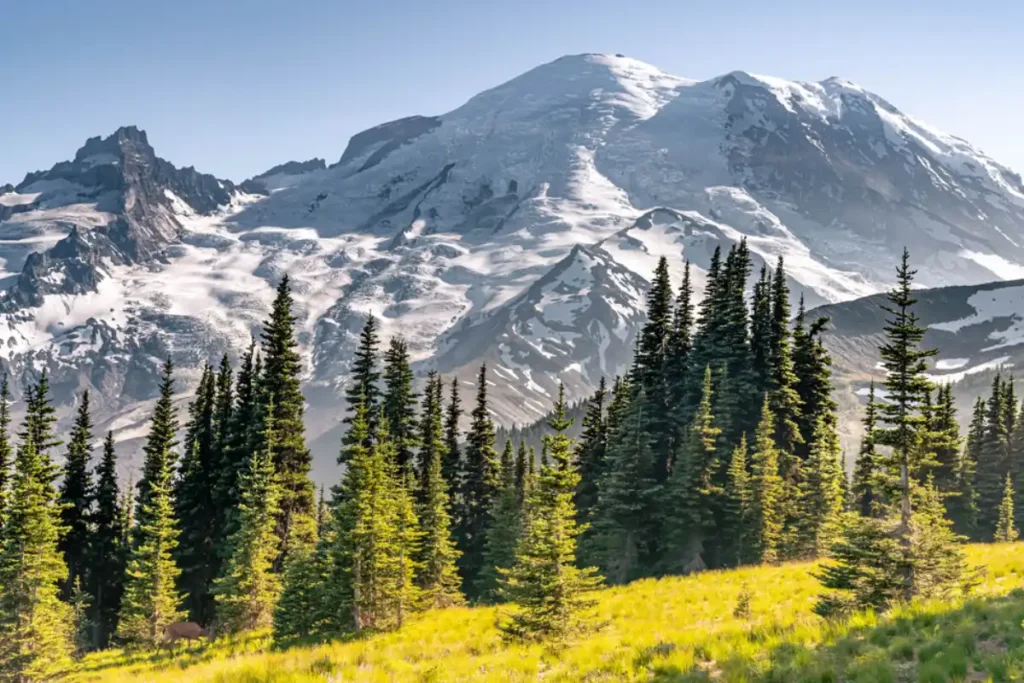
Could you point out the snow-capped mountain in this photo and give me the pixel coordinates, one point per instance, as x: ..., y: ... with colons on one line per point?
x: 518, y: 229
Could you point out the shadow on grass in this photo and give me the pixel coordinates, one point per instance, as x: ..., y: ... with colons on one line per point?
x: 981, y: 640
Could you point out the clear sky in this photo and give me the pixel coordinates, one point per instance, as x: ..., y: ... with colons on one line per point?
x: 234, y: 87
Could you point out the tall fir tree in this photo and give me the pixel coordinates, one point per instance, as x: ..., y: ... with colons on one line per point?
x: 548, y: 587
x: 430, y: 434
x: 151, y: 600
x: 242, y: 440
x: 737, y: 507
x: 963, y: 507
x: 108, y: 548
x: 438, y: 578
x: 6, y: 452
x: 292, y: 460
x: 524, y: 468
x: 224, y: 468
x: 766, y: 516
x: 992, y: 459
x: 621, y: 540
x: 36, y: 627
x: 650, y: 366
x: 504, y: 530
x: 946, y: 442
x: 479, y: 487
x: 591, y: 451
x: 761, y: 331
x: 812, y: 365
x: 399, y: 403
x: 785, y: 401
x: 692, y: 494
x: 247, y: 590
x: 866, y: 498
x: 195, y: 509
x: 822, y: 501
x: 680, y: 344
x: 452, y: 464
x: 76, y: 498
x: 365, y: 376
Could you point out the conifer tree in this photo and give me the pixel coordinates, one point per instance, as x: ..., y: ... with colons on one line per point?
x: 479, y: 487
x: 247, y: 590
x: 438, y: 578
x: 628, y: 497
x: 302, y: 611
x: 524, y: 467
x: 591, y: 451
x: 241, y: 441
x: 1006, y: 531
x: 692, y: 492
x: 365, y: 375
x: 963, y: 507
x: 452, y: 465
x: 546, y: 584
x: 6, y: 453
x: 108, y: 548
x: 40, y: 417
x: 150, y: 600
x: 195, y: 509
x: 766, y: 516
x: 761, y: 332
x: 737, y: 507
x: 992, y: 459
x: 650, y: 370
x: 504, y: 530
x: 224, y: 469
x: 431, y: 428
x: 822, y: 504
x: 36, y: 628
x: 292, y: 459
x: 945, y: 442
x: 785, y: 401
x: 680, y: 344
x: 866, y: 500
x: 76, y: 498
x: 399, y: 403
x: 812, y: 365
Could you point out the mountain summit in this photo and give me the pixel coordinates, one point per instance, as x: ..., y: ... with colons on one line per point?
x: 518, y: 228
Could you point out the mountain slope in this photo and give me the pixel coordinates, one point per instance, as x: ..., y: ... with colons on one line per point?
x: 518, y: 229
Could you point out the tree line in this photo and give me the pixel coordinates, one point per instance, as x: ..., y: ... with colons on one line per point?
x: 718, y: 447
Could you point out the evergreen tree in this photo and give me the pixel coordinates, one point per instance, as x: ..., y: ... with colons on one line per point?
x: 399, y: 402
x: 737, y: 508
x: 785, y: 401
x: 680, y: 344
x: 963, y: 507
x: 301, y: 612
x: 365, y: 376
x: 812, y: 365
x: 76, y: 498
x: 438, y: 578
x: 692, y: 492
x: 247, y: 590
x: 992, y: 460
x: 108, y: 548
x: 36, y: 628
x: 1005, y: 529
x: 431, y: 429
x: 545, y: 582
x: 866, y: 500
x: 651, y: 366
x: 241, y: 442
x: 452, y: 465
x: 479, y: 486
x: 590, y: 452
x: 945, y: 442
x: 6, y: 453
x: 224, y: 469
x: 504, y: 530
x: 761, y: 332
x: 767, y: 491
x: 822, y: 504
x: 628, y: 495
x: 292, y: 460
x: 150, y: 600
x: 195, y: 509
x: 40, y: 417
x: 524, y: 468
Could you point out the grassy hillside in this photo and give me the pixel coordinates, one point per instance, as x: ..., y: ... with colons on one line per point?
x: 675, y: 629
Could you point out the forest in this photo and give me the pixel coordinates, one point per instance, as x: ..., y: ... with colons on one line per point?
x: 717, y: 448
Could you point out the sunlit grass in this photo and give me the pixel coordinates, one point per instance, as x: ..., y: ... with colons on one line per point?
x: 674, y: 629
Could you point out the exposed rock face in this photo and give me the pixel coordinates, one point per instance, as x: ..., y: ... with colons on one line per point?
x: 518, y: 229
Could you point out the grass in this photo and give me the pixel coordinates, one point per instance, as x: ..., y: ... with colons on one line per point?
x: 668, y: 630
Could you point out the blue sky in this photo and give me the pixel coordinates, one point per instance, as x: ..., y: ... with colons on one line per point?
x: 236, y: 87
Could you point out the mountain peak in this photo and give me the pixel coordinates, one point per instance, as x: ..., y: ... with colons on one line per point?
x: 106, y: 150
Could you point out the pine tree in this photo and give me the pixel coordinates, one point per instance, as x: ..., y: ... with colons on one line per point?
x: 452, y: 465
x: 812, y: 365
x: 195, y: 509
x: 628, y: 494
x: 40, y: 418
x: 822, y: 504
x: 431, y: 428
x: 650, y: 366
x: 524, y: 469
x: 76, y: 498
x: 737, y: 508
x: 108, y: 549
x: 767, y: 491
x: 36, y: 628
x: 992, y: 462
x: 247, y: 590
x: 438, y: 578
x: 963, y: 507
x: 1005, y: 529
x: 591, y: 451
x: 399, y: 402
x: 365, y: 375
x: 785, y: 402
x: 680, y: 344
x: 546, y: 584
x: 292, y: 459
x: 241, y: 442
x: 692, y: 492
x: 761, y: 332
x: 479, y: 487
x: 224, y: 468
x: 6, y: 453
x: 504, y: 530
x: 150, y: 600
x: 301, y: 612
x: 866, y: 499
x: 946, y: 442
